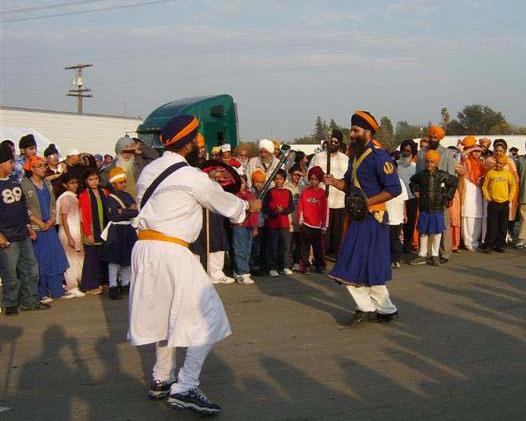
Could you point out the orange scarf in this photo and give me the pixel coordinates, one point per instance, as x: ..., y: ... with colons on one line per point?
x: 475, y: 169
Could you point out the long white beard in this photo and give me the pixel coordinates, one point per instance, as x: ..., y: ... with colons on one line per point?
x: 126, y: 165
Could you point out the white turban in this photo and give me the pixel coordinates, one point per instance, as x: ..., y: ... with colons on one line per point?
x: 267, y: 145
x: 225, y: 147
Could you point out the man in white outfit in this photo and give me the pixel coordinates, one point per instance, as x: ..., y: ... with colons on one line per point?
x: 172, y: 301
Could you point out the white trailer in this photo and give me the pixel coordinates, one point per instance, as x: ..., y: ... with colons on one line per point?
x: 92, y: 133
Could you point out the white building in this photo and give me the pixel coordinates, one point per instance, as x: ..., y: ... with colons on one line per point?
x: 92, y: 133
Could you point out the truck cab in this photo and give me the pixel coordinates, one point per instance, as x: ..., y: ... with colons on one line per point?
x: 217, y: 115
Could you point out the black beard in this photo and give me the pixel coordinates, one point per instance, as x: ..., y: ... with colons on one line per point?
x: 433, y: 144
x: 333, y: 148
x: 193, y: 157
x: 358, y: 148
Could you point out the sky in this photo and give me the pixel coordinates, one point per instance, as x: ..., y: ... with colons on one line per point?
x: 283, y: 62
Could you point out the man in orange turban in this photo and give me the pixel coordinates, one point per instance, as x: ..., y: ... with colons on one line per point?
x: 448, y: 164
x: 472, y: 205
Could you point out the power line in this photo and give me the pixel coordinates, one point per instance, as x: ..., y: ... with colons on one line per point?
x: 49, y: 6
x: 78, y: 12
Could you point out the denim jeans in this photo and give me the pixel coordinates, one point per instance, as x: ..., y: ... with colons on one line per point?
x: 278, y: 246
x: 242, y: 245
x: 19, y: 274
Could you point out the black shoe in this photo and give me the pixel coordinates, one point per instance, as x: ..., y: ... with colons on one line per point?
x: 115, y: 293
x: 443, y: 260
x: 11, y: 311
x: 320, y: 269
x: 194, y: 400
x: 385, y: 318
x: 499, y: 249
x: 125, y: 290
x: 486, y: 250
x: 362, y: 316
x: 159, y: 389
x: 38, y: 306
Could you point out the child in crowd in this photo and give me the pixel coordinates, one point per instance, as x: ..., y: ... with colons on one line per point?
x: 434, y: 189
x: 277, y: 206
x: 242, y: 235
x: 119, y: 236
x: 52, y: 261
x: 313, y: 211
x: 499, y: 190
x: 18, y: 265
x: 396, y: 213
x: 295, y: 186
x: 69, y: 233
x: 92, y: 202
x: 258, y: 257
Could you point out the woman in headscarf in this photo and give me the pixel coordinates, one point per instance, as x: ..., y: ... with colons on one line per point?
x: 472, y: 204
x: 500, y: 148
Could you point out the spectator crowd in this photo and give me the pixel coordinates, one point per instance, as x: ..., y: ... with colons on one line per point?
x: 67, y: 221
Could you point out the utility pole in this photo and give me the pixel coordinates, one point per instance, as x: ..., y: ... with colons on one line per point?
x: 80, y: 92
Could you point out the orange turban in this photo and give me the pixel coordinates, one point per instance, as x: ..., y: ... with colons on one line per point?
x: 469, y: 141
x: 31, y: 162
x: 258, y: 176
x: 485, y: 141
x: 116, y: 174
x: 433, y: 155
x: 437, y: 132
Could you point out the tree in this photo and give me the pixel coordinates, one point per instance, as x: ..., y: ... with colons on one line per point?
x: 333, y: 125
x: 404, y: 130
x: 455, y: 128
x: 445, y: 117
x: 319, y: 129
x: 306, y: 140
x: 385, y: 132
x: 479, y: 119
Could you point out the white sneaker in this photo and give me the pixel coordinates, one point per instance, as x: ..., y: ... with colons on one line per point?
x: 296, y: 267
x: 273, y: 274
x: 245, y: 279
x: 520, y: 244
x: 77, y: 292
x: 46, y: 300
x: 224, y: 280
x: 287, y: 272
x: 68, y: 295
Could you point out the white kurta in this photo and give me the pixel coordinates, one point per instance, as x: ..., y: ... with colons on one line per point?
x: 171, y: 296
x: 472, y: 206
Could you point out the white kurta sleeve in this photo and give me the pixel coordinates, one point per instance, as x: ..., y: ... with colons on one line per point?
x: 211, y: 196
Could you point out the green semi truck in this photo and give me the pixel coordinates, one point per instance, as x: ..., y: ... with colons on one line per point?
x: 217, y: 115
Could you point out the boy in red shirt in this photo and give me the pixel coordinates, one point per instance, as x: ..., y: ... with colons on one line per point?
x: 277, y: 206
x: 242, y: 236
x: 313, y: 219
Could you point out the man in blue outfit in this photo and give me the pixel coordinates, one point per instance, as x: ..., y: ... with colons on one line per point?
x: 364, y: 264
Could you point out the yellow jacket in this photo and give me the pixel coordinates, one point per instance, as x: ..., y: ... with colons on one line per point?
x: 499, y: 186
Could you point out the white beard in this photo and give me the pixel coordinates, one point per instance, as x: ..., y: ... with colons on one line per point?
x: 126, y: 165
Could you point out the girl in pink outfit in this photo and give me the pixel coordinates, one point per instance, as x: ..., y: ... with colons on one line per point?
x: 69, y: 233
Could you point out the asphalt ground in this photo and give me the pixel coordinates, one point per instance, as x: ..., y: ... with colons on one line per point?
x: 456, y: 353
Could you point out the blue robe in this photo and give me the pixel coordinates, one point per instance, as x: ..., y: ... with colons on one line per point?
x: 365, y: 257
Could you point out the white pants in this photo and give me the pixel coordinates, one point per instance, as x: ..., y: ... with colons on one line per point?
x: 375, y: 298
x: 188, y: 377
x: 471, y: 232
x: 216, y: 264
x: 116, y: 271
x: 435, y: 244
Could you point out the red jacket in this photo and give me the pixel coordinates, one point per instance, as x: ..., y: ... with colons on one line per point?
x: 253, y: 218
x: 85, y: 212
x: 313, y: 208
x: 274, y: 198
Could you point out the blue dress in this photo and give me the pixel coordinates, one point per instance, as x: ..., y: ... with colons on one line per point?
x: 52, y: 261
x: 365, y: 257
